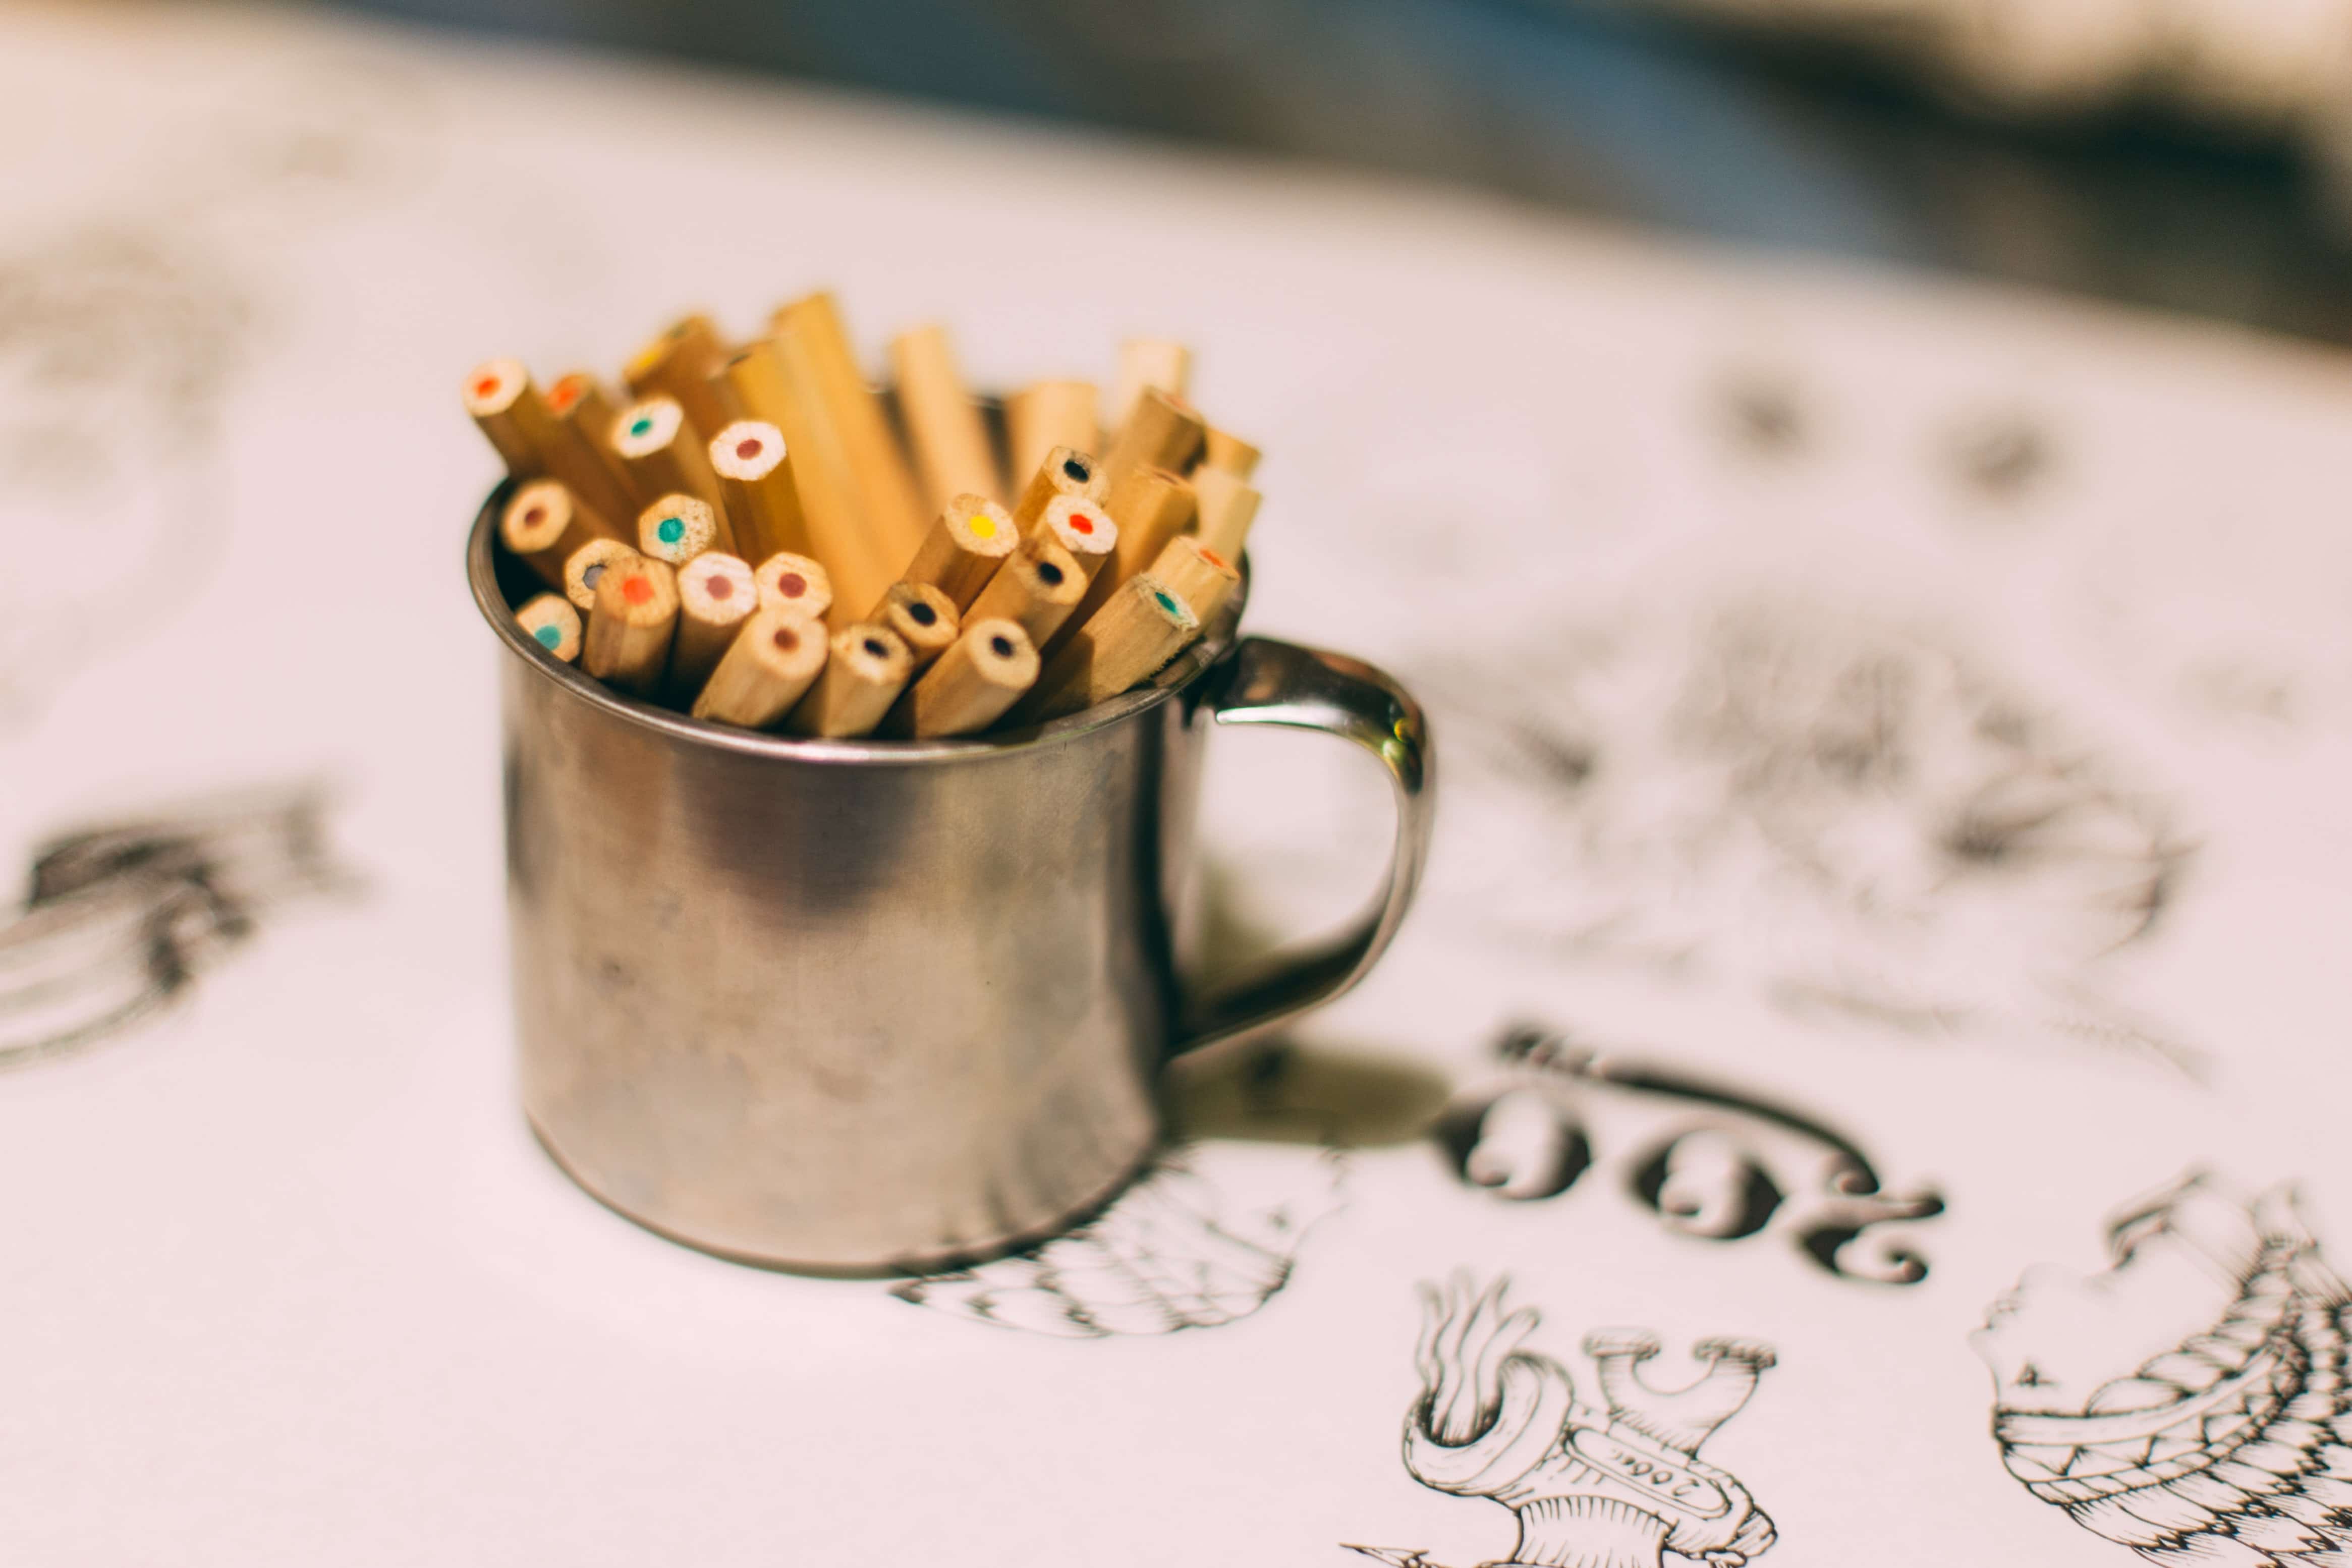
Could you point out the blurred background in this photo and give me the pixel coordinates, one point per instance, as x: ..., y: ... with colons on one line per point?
x: 2189, y: 154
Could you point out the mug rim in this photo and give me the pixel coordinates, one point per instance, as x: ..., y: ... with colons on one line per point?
x: 1181, y: 672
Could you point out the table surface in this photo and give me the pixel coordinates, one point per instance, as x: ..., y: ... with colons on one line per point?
x: 1886, y: 722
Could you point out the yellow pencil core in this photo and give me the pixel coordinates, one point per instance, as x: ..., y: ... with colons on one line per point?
x: 983, y: 526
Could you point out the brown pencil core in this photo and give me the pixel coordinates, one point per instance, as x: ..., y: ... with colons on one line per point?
x: 922, y: 614
x: 1001, y: 646
x: 748, y: 447
x: 788, y: 639
x: 1049, y: 574
x: 720, y: 588
x: 792, y: 585
x: 535, y: 516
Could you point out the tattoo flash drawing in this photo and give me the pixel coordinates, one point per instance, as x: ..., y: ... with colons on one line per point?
x: 1170, y: 1253
x: 1834, y: 812
x: 2190, y: 1402
x: 1710, y: 1161
x: 121, y: 918
x: 1614, y: 1486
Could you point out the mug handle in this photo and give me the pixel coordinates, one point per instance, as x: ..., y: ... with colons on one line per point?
x: 1263, y: 681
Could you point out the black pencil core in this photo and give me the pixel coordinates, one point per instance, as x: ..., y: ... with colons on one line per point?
x: 876, y: 649
x: 1049, y: 574
x: 1001, y: 646
x: 922, y: 614
x: 1076, y: 469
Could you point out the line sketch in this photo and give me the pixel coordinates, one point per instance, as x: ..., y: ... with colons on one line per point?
x: 123, y: 330
x: 115, y: 351
x: 1710, y: 1161
x: 1619, y: 1484
x: 1173, y: 1252
x: 1836, y: 813
x: 121, y: 918
x: 2188, y: 1402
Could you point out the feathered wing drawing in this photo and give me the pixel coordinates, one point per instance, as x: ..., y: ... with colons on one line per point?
x: 1172, y: 1253
x: 2188, y: 1402
x: 1612, y: 1486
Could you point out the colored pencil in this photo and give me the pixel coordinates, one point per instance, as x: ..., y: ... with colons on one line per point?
x: 544, y: 523
x: 952, y: 454
x: 1037, y: 588
x: 1049, y: 413
x: 1230, y: 454
x: 628, y: 636
x: 865, y: 669
x: 662, y: 455
x: 967, y: 542
x: 1083, y: 528
x: 550, y: 621
x: 678, y: 364
x: 1228, y: 505
x: 1196, y: 574
x: 1162, y: 433
x: 756, y: 490
x: 986, y: 670
x: 1127, y: 640
x: 1148, y: 364
x: 924, y: 619
x: 888, y: 500
x: 715, y: 597
x: 794, y: 583
x: 1064, y: 471
x: 769, y: 666
x: 1152, y: 506
x: 586, y: 567
x: 678, y: 527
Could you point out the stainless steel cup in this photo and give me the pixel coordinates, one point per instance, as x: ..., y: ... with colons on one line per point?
x: 870, y: 1007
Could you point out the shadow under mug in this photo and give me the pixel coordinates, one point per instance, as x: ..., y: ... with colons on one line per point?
x: 874, y: 1007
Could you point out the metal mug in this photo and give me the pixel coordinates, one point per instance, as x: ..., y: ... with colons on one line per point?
x: 874, y: 1007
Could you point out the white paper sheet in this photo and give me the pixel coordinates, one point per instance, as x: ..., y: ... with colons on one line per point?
x: 1893, y: 739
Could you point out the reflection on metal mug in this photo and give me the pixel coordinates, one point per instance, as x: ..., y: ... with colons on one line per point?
x: 868, y: 1006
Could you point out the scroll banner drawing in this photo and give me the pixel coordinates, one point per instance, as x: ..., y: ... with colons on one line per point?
x: 2190, y: 1402
x: 121, y: 918
x: 1613, y: 1486
x: 1709, y: 1161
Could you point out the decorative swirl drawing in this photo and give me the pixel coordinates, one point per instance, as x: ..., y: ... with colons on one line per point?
x: 1749, y: 1167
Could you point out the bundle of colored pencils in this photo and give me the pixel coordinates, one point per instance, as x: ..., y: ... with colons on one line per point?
x: 759, y: 538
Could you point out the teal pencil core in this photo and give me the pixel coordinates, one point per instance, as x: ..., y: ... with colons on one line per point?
x: 641, y: 426
x: 671, y: 529
x: 1166, y: 603
x: 549, y: 637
